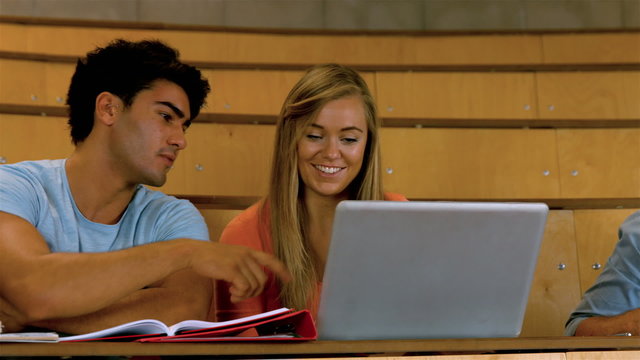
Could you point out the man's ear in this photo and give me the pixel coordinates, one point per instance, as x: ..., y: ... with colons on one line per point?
x: 108, y: 107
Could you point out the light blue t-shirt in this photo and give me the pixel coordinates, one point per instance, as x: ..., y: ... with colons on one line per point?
x: 617, y: 289
x: 38, y: 191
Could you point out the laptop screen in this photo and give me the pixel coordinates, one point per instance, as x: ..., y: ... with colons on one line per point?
x: 412, y: 270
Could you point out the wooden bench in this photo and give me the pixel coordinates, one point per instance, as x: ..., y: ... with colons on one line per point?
x: 538, y: 116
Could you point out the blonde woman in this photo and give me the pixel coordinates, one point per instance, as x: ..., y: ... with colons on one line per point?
x: 326, y: 150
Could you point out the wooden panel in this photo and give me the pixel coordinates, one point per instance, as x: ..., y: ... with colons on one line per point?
x: 385, y: 49
x: 197, y: 46
x: 314, y: 49
x: 478, y: 50
x: 77, y: 41
x: 57, y: 80
x: 249, y: 91
x: 370, y: 79
x: 555, y: 290
x: 217, y: 220
x: 591, y: 48
x: 364, y: 49
x: 233, y: 160
x: 470, y: 163
x: 12, y: 37
x: 538, y: 347
x: 222, y: 46
x: 254, y: 92
x: 604, y: 355
x: 223, y: 160
x: 599, y: 163
x: 596, y: 236
x: 231, y: 47
x: 451, y: 95
x: 288, y: 48
x: 520, y: 356
x: 33, y: 138
x: 305, y: 48
x: 589, y: 95
x: 22, y: 82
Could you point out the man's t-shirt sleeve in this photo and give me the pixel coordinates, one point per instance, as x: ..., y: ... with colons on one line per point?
x: 180, y: 219
x: 18, y: 195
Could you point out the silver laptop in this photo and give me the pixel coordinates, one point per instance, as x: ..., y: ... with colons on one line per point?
x: 416, y: 270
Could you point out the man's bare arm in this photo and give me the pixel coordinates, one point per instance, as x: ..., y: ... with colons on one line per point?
x: 626, y: 323
x: 42, y: 285
x: 182, y: 296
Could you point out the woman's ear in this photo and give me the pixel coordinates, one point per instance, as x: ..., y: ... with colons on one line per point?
x: 108, y: 106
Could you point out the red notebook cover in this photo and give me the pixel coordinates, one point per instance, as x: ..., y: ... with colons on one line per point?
x: 293, y: 326
x: 147, y: 328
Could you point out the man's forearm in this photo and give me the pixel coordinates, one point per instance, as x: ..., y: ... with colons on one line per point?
x: 626, y: 323
x: 169, y: 304
x: 42, y: 285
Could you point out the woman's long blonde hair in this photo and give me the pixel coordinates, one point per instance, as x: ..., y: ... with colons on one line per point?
x: 287, y: 211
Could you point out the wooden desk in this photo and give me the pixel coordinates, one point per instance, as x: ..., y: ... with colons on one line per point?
x: 331, y: 348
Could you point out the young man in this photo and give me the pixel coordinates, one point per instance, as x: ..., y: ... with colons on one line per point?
x: 83, y: 245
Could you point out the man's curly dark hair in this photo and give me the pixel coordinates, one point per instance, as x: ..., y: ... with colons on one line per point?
x: 124, y: 68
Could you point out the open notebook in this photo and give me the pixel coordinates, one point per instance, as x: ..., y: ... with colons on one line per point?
x: 410, y: 270
x: 277, y: 325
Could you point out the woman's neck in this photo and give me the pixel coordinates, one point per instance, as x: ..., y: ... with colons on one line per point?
x: 319, y: 226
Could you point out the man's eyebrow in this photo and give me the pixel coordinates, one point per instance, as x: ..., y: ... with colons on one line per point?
x: 172, y: 107
x: 348, y: 128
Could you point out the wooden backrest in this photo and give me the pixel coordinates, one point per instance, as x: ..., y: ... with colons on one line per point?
x: 546, y: 116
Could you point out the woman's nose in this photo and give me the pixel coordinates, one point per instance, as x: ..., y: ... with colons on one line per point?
x: 331, y: 150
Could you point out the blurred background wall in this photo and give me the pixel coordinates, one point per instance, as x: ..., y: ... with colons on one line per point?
x: 407, y: 15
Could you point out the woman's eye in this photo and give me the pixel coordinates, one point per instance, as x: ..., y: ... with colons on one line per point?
x: 349, y: 140
x: 314, y: 137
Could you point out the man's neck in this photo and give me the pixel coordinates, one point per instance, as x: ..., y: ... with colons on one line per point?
x: 99, y: 191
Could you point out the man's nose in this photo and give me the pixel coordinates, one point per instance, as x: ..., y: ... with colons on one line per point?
x: 178, y: 140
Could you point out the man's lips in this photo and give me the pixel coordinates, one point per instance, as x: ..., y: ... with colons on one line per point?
x: 171, y: 158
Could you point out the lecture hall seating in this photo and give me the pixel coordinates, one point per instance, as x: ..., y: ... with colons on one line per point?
x: 536, y: 116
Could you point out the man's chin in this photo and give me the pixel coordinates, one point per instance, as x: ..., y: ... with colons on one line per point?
x: 156, y: 182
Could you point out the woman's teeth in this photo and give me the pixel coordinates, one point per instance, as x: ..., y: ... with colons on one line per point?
x: 328, y: 170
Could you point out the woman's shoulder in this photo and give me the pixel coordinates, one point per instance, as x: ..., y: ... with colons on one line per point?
x: 389, y: 196
x: 248, y: 216
x: 247, y: 227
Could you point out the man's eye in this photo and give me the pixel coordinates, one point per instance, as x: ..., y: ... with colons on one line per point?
x: 166, y: 116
